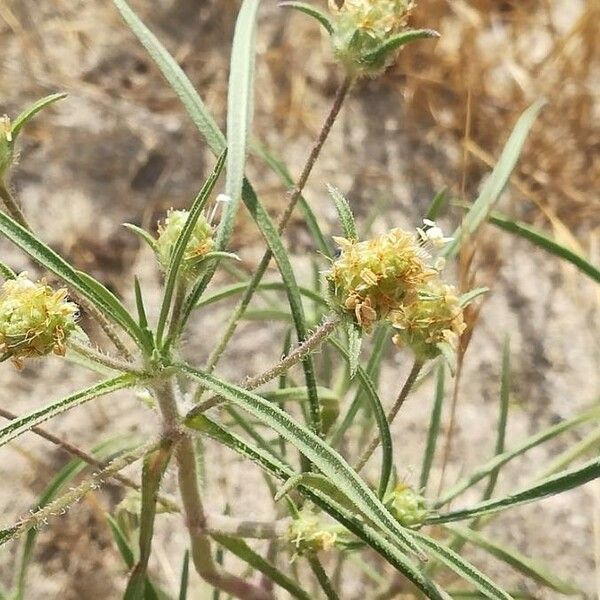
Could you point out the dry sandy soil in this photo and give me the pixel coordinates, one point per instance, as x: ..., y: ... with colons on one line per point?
x: 121, y: 149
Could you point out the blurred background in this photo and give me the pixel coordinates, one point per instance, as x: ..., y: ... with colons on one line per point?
x: 120, y: 149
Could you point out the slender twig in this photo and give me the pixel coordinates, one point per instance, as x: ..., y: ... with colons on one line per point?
x: 309, y: 345
x: 103, y: 359
x: 402, y: 396
x: 295, y: 194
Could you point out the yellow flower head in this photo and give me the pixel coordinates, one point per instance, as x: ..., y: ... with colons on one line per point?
x: 34, y: 319
x: 307, y: 534
x: 201, y: 242
x: 406, y: 505
x: 362, y: 26
x: 371, y: 278
x: 433, y: 317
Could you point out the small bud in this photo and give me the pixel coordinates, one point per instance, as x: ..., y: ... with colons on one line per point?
x: 307, y: 534
x: 35, y: 320
x: 371, y: 278
x: 406, y: 505
x: 201, y: 241
x: 435, y: 316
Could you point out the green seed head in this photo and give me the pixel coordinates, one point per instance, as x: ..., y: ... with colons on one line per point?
x: 362, y: 26
x: 35, y: 320
x: 371, y: 278
x: 434, y: 317
x: 308, y: 534
x: 407, y: 506
x: 201, y: 242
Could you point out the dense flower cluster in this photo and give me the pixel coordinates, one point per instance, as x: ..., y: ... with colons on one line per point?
x: 393, y: 277
x: 406, y: 505
x: 201, y: 242
x: 308, y: 534
x: 35, y: 320
x: 362, y: 26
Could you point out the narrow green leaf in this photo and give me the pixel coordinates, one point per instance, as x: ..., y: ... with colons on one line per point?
x: 545, y: 242
x: 87, y: 286
x: 466, y: 299
x: 240, y: 107
x: 461, y: 567
x: 30, y: 112
x: 529, y: 443
x: 155, y: 464
x: 344, y: 212
x: 380, y: 418
x: 397, y: 41
x: 18, y: 426
x: 311, y: 11
x: 496, y: 182
x: 434, y: 427
x: 178, y: 251
x: 329, y: 462
x: 6, y: 272
x: 322, y: 578
x: 177, y: 79
x: 142, y: 234
x: 185, y: 575
x: 299, y: 394
x: 121, y: 541
x: 348, y: 519
x: 557, y: 484
x: 437, y: 205
x: 243, y: 551
x: 502, y: 419
x: 515, y: 559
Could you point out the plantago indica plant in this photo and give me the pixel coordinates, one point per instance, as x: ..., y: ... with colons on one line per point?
x: 390, y: 289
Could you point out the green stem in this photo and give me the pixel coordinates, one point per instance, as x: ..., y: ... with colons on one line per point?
x: 402, y: 396
x: 12, y: 206
x: 103, y: 359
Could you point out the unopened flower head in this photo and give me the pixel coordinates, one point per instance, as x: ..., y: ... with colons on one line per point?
x: 6, y: 145
x: 406, y: 505
x: 308, y: 534
x: 433, y: 317
x: 35, y: 319
x: 201, y: 241
x: 371, y: 278
x: 362, y: 26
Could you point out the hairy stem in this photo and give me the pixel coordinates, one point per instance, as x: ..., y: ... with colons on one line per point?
x: 12, y: 206
x: 103, y: 359
x: 193, y: 506
x: 295, y: 194
x: 309, y: 345
x: 402, y: 396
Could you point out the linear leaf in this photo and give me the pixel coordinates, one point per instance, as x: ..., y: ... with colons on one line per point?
x: 461, y: 567
x: 30, y: 112
x: 177, y: 79
x: 311, y: 11
x: 240, y: 107
x: 496, y: 182
x: 142, y: 234
x: 397, y: 41
x: 515, y: 559
x: 243, y: 551
x: 87, y: 286
x: 546, y: 243
x: 434, y: 427
x: 557, y: 484
x: 348, y: 519
x: 185, y: 234
x: 344, y: 213
x: 380, y: 418
x: 329, y: 462
x: 18, y: 426
x: 529, y: 443
x: 185, y: 574
x: 437, y: 204
x: 6, y: 272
